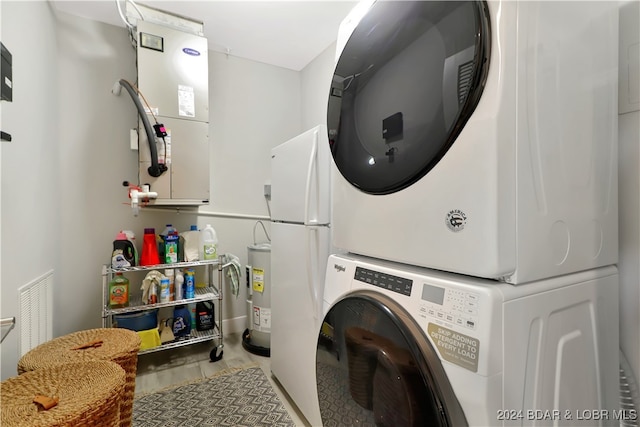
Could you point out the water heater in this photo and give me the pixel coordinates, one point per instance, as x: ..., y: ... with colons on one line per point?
x: 173, y: 81
x: 257, y: 338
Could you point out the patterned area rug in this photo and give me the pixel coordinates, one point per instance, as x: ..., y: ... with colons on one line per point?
x: 240, y: 398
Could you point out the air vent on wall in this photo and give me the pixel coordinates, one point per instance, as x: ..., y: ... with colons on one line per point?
x: 36, y: 301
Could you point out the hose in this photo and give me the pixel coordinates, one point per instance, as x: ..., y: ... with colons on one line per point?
x: 156, y: 169
x: 263, y: 228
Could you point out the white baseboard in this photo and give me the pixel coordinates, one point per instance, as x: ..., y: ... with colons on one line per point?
x: 236, y: 325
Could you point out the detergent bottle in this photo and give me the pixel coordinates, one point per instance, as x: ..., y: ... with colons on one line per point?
x: 124, y: 252
x: 191, y: 244
x: 119, y: 291
x: 181, y: 321
x: 149, y: 248
x: 209, y: 243
x: 170, y: 239
x: 131, y: 236
x: 205, y: 313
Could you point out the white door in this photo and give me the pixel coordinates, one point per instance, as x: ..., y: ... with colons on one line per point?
x: 298, y: 263
x: 300, y: 178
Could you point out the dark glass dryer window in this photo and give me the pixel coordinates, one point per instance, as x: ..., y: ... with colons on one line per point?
x: 375, y: 366
x: 406, y: 83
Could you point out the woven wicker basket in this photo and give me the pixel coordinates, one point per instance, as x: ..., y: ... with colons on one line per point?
x: 118, y: 345
x: 362, y: 359
x: 397, y: 389
x: 89, y: 394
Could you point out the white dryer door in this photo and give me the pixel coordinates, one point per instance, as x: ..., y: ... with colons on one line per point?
x: 375, y: 366
x: 407, y: 81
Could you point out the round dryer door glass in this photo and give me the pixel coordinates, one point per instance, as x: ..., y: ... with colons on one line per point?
x: 375, y: 366
x: 405, y: 84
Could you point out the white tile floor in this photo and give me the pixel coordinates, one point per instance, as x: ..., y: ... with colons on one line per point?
x: 167, y: 368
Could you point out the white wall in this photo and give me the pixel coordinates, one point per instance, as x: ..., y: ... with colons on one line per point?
x: 31, y: 208
x: 316, y: 83
x: 94, y: 160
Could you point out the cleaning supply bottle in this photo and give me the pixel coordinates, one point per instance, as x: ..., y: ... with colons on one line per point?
x: 209, y: 243
x: 170, y: 274
x: 119, y: 291
x: 171, y: 239
x: 132, y: 238
x: 181, y: 321
x: 179, y: 285
x: 124, y: 253
x: 205, y: 316
x: 191, y: 244
x: 164, y: 289
x: 189, y: 283
x: 192, y: 311
x: 149, y: 248
x: 162, y: 240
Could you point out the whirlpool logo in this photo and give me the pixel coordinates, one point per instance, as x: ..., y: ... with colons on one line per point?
x: 190, y: 51
x: 339, y: 267
x: 456, y: 220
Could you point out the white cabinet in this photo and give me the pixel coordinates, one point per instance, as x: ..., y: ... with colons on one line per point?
x: 211, y: 292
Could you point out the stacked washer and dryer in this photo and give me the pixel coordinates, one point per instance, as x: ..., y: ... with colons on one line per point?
x: 475, y: 145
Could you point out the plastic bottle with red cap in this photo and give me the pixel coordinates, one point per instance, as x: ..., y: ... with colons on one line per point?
x: 149, y: 248
x: 124, y: 252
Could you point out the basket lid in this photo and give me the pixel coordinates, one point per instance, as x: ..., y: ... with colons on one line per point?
x: 88, y: 394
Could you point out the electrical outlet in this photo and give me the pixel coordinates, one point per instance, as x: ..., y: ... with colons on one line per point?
x: 267, y: 191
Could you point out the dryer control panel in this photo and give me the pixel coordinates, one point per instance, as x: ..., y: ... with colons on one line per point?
x: 386, y: 281
x: 454, y: 306
x: 460, y: 316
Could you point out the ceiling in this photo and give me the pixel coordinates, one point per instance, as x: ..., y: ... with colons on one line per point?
x: 287, y: 34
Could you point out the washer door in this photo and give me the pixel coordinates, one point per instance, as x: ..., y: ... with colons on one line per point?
x: 375, y: 366
x: 407, y: 81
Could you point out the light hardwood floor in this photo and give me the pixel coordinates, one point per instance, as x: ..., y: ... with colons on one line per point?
x: 172, y: 367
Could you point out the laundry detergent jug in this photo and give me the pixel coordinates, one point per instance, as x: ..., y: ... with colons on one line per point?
x: 209, y: 243
x: 181, y: 321
x: 124, y: 252
x: 205, y: 316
